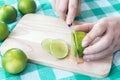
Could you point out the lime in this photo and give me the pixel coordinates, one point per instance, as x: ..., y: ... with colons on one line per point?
x: 14, y: 60
x: 74, y: 47
x: 46, y: 44
x: 4, y: 31
x: 8, y: 14
x: 59, y: 48
x: 78, y: 37
x: 27, y: 6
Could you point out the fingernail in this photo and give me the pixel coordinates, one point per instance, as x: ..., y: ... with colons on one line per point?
x: 69, y: 21
x: 86, y: 51
x: 84, y: 43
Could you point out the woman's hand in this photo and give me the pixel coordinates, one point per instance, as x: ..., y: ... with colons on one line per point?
x: 67, y: 9
x: 103, y: 38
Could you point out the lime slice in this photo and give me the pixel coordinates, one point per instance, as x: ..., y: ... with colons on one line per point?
x: 77, y: 38
x: 46, y: 44
x: 59, y: 48
x: 79, y: 35
x: 74, y: 48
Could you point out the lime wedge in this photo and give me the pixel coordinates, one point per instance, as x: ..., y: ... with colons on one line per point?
x: 46, y: 44
x: 59, y: 48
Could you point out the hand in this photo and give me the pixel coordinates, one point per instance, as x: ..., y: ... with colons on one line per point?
x: 67, y: 9
x: 103, y: 38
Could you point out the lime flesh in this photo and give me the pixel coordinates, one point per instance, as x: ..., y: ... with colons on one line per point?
x: 78, y: 37
x: 74, y: 47
x: 46, y: 44
x: 59, y: 48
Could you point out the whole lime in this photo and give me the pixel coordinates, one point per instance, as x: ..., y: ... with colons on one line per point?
x: 26, y: 6
x: 4, y: 31
x: 8, y: 14
x: 14, y: 60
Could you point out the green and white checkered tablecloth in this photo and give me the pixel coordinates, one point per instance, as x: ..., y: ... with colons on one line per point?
x: 92, y: 10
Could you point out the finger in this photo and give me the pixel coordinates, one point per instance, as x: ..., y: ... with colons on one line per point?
x: 53, y: 4
x: 95, y: 32
x: 62, y: 8
x: 84, y: 27
x: 57, y: 5
x: 99, y: 55
x: 101, y: 45
x: 78, y: 8
x: 72, y: 10
x: 95, y: 41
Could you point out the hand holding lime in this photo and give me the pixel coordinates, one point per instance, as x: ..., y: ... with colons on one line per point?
x: 27, y: 6
x: 14, y: 61
x: 8, y: 14
x: 4, y: 31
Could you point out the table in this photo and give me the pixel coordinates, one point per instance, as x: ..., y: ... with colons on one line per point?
x: 91, y: 11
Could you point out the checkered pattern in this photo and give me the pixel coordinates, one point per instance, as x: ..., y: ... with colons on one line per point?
x: 92, y: 10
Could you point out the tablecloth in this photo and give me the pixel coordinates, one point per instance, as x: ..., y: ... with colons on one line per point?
x: 91, y: 11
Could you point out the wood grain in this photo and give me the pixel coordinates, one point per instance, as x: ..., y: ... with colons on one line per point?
x: 33, y: 28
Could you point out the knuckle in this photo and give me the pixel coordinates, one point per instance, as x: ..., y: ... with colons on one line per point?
x: 61, y: 10
x: 103, y: 23
x: 103, y: 20
x: 73, y: 6
x: 88, y: 37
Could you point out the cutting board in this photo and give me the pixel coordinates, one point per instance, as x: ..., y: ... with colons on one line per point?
x: 33, y: 28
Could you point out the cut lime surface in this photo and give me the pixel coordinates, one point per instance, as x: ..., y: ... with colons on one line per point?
x: 78, y: 37
x: 74, y: 47
x: 59, y: 48
x: 46, y: 44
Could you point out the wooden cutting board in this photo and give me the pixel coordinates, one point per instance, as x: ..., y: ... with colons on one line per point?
x: 33, y: 28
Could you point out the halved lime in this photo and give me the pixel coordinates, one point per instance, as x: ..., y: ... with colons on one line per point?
x: 59, y: 48
x: 74, y: 47
x: 46, y: 44
x: 79, y: 35
x: 77, y: 44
